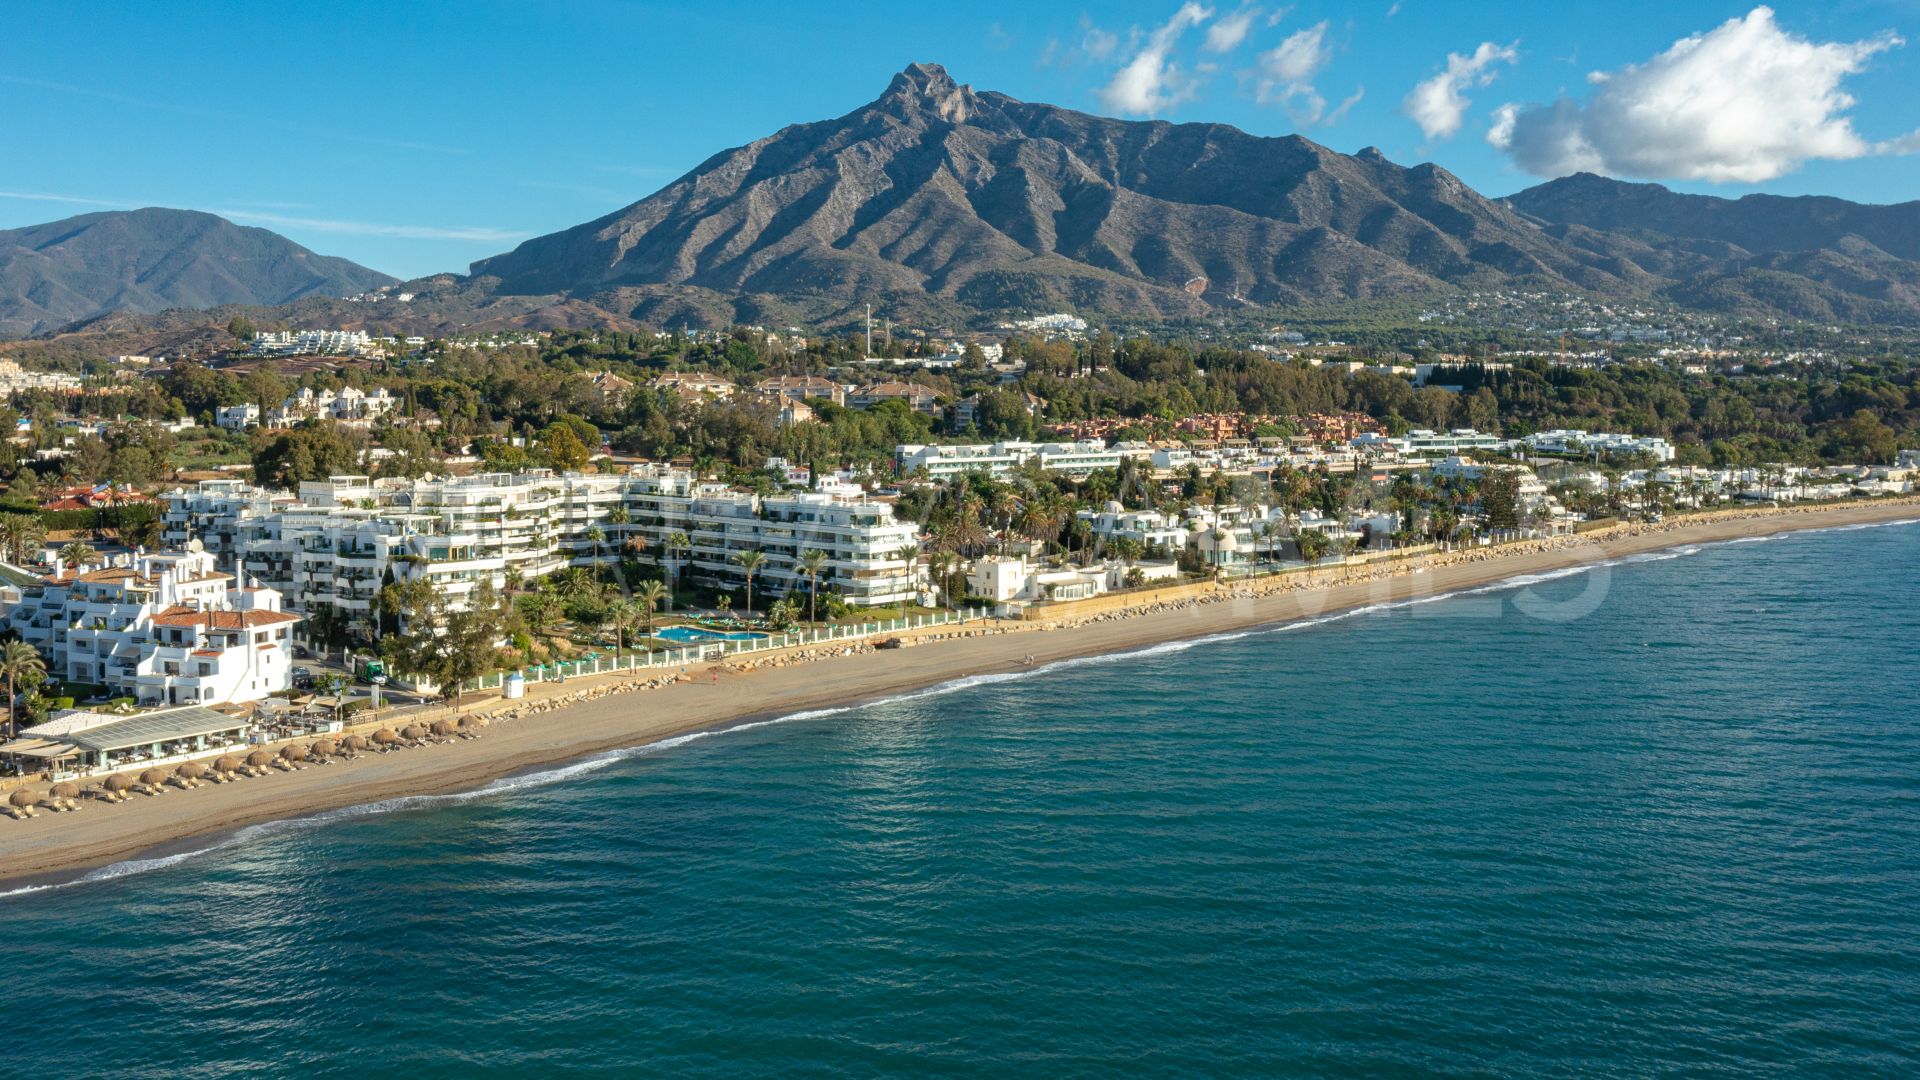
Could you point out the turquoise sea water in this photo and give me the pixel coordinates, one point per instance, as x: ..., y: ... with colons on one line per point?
x: 1678, y: 836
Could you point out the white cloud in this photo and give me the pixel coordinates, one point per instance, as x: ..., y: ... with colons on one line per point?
x: 1286, y: 72
x: 1346, y: 106
x: 368, y: 228
x: 1228, y: 31
x: 331, y: 225
x: 1099, y: 44
x: 1151, y: 82
x: 1743, y: 102
x: 1439, y: 104
x: 77, y: 200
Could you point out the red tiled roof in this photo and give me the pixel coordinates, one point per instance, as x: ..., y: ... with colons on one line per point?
x: 186, y: 618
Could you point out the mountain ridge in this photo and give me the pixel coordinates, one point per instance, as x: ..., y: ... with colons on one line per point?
x: 152, y: 259
x: 939, y: 196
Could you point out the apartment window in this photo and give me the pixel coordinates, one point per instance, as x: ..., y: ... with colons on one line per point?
x: 206, y: 669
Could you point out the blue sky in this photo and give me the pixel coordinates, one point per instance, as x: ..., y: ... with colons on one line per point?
x: 417, y: 137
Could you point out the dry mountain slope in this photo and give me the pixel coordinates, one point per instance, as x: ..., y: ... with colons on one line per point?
x: 936, y: 192
x: 153, y: 259
x: 1812, y: 257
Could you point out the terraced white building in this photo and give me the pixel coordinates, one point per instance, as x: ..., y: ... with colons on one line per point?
x: 339, y: 540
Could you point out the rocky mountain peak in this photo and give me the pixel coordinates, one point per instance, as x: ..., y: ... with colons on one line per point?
x: 927, y: 89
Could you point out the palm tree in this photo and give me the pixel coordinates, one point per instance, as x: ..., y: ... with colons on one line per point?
x: 811, y: 563
x: 1313, y: 545
x: 942, y: 565
x: 648, y: 597
x: 20, y: 534
x: 19, y: 663
x: 679, y: 545
x: 750, y: 564
x: 78, y: 553
x: 144, y: 533
x: 594, y: 536
x: 622, y: 614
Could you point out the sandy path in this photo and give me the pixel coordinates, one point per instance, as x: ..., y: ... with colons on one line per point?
x: 53, y: 846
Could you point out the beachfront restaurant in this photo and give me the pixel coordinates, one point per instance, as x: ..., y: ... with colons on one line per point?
x: 79, y: 742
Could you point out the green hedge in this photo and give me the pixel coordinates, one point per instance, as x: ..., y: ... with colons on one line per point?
x: 113, y: 517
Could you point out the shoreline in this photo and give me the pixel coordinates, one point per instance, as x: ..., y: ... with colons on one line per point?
x: 573, y: 728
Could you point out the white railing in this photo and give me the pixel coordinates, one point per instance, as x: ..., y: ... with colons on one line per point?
x: 697, y: 652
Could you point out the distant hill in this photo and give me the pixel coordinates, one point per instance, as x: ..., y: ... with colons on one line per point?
x: 1755, y: 223
x: 1808, y: 256
x: 936, y: 199
x: 153, y: 259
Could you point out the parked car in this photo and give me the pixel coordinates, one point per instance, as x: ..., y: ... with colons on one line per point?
x: 302, y: 678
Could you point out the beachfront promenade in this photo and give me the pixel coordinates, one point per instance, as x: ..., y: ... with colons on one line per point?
x: 721, y: 648
x: 561, y: 722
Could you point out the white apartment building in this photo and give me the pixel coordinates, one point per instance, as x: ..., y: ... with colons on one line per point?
x: 14, y: 378
x: 1425, y: 441
x: 1148, y: 528
x: 165, y: 629
x: 940, y: 462
x: 338, y: 540
x: 237, y: 417
x: 1581, y: 443
x: 312, y: 343
x: 347, y: 405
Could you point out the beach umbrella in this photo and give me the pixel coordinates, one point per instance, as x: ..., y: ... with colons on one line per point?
x: 192, y: 770
x: 23, y: 799
x: 65, y: 790
x: 294, y: 753
x: 153, y: 778
x: 443, y: 728
x: 227, y: 764
x: 385, y: 737
x: 413, y: 733
x: 355, y: 742
x: 324, y: 748
x: 118, y: 784
x: 260, y: 759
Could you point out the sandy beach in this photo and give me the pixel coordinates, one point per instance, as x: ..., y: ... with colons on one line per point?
x: 55, y: 847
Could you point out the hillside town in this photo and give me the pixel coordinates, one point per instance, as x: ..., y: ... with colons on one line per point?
x: 264, y: 537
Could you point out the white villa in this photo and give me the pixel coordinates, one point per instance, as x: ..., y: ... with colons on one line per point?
x: 165, y: 629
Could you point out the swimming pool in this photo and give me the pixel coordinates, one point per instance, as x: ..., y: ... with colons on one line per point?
x: 694, y: 634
